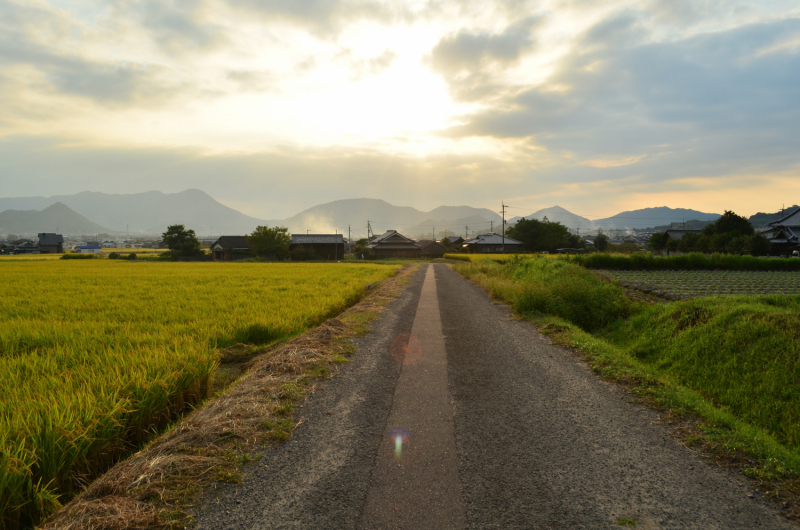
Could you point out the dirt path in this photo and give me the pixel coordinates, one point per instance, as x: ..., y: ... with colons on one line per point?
x: 539, y: 441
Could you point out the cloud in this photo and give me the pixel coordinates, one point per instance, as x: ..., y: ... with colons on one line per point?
x: 179, y: 26
x: 325, y: 18
x: 373, y: 65
x: 470, y: 60
x: 709, y: 103
x: 254, y: 80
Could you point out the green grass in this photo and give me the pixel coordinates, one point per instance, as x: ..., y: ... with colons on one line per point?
x: 732, y: 361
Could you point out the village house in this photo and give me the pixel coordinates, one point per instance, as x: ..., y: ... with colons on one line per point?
x: 392, y: 244
x: 325, y: 246
x: 89, y: 249
x: 492, y: 244
x: 51, y: 243
x: 229, y: 248
x: 676, y: 234
x: 784, y: 234
x: 431, y: 249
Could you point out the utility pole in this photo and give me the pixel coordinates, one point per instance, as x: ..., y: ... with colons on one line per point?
x: 434, y: 234
x: 335, y: 246
x: 349, y: 242
x: 491, y: 226
x: 504, y: 226
x: 466, y: 232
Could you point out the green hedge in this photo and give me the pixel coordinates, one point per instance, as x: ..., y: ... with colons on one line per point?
x: 80, y: 256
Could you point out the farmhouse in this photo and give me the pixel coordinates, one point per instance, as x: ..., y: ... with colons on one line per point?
x: 784, y: 234
x: 431, y: 249
x: 51, y: 243
x: 492, y: 244
x: 26, y: 246
x: 325, y: 246
x: 228, y: 248
x: 677, y: 234
x: 392, y: 244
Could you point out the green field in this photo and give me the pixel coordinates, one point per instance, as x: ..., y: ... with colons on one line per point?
x: 96, y: 355
x: 693, y: 284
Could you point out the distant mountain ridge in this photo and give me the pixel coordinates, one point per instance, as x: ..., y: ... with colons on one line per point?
x: 57, y: 217
x: 150, y: 212
x: 382, y: 216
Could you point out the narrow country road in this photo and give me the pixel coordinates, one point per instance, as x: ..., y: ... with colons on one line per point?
x: 452, y: 415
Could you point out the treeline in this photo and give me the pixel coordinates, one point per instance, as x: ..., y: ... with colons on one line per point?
x: 730, y: 234
x: 541, y: 236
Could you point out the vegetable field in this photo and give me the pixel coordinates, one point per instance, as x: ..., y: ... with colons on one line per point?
x: 692, y: 284
x: 96, y: 354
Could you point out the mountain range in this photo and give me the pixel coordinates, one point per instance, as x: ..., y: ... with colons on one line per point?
x: 151, y: 212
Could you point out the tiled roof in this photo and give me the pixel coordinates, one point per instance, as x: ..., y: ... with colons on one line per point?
x: 491, y: 239
x: 793, y: 219
x: 48, y: 238
x: 232, y: 243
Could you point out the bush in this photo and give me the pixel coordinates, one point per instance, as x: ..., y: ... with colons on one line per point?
x: 80, y: 256
x: 553, y: 287
x: 302, y: 253
x: 114, y: 255
x: 131, y: 256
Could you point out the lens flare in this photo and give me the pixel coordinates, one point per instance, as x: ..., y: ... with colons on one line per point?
x: 399, y: 435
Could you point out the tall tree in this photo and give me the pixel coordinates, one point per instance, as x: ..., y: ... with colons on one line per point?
x: 543, y: 235
x: 182, y: 241
x: 270, y: 242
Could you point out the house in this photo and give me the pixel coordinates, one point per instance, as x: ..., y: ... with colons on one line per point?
x: 492, y: 244
x: 392, y: 244
x: 677, y: 234
x: 456, y: 241
x: 431, y: 249
x: 325, y: 246
x: 26, y: 246
x: 229, y: 248
x: 51, y: 243
x: 784, y: 234
x: 89, y: 249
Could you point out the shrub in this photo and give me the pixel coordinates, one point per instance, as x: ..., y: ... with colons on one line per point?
x: 114, y: 255
x: 131, y: 256
x: 302, y: 253
x: 79, y: 256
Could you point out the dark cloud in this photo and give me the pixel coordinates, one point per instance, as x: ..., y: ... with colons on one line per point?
x: 109, y: 83
x: 469, y: 60
x: 326, y: 18
x: 713, y: 103
x: 178, y: 26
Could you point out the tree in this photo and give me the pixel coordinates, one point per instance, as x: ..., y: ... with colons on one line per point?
x: 657, y: 241
x: 270, y: 242
x: 728, y: 223
x: 601, y: 242
x: 540, y: 235
x: 181, y: 241
x: 447, y: 243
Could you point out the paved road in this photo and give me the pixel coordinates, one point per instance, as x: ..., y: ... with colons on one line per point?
x: 476, y: 421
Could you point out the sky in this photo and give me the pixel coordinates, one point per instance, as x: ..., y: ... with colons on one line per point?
x: 274, y: 106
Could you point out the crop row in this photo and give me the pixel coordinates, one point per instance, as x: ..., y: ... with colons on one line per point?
x: 95, y: 355
x: 690, y: 284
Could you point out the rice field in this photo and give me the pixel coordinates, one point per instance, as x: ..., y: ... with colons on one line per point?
x: 701, y: 283
x: 96, y: 355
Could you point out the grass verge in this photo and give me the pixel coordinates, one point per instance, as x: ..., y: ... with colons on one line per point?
x: 723, y: 370
x: 155, y: 487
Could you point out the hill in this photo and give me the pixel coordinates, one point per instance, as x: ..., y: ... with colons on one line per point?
x: 382, y: 216
x: 55, y: 218
x: 557, y: 214
x: 650, y: 217
x: 760, y: 220
x: 150, y: 212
